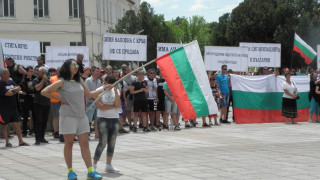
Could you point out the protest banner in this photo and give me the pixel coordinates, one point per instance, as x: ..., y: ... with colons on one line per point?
x: 263, y: 54
x: 257, y: 99
x: 24, y: 53
x: 56, y: 55
x: 164, y: 48
x: 318, y: 56
x: 2, y: 63
x: 235, y: 58
x: 124, y: 47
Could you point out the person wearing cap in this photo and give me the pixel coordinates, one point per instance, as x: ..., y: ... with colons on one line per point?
x: 41, y: 105
x: 93, y: 83
x: 16, y: 71
x: 86, y: 73
x: 8, y: 106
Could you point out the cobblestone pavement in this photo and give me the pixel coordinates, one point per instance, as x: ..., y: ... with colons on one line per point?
x: 236, y: 151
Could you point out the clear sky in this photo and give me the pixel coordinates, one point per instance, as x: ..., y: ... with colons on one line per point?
x: 211, y: 10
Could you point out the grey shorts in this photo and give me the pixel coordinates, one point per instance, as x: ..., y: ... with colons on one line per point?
x: 73, y: 125
x: 171, y: 107
x: 129, y: 104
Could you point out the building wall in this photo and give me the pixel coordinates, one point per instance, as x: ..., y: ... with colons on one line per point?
x: 59, y: 29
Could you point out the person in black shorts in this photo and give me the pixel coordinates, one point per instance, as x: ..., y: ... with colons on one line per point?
x: 140, y: 103
x: 160, y: 104
x: 152, y: 96
x: 8, y: 106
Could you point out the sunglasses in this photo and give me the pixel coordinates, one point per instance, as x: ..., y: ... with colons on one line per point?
x: 225, y: 69
x: 75, y: 65
x: 212, y: 79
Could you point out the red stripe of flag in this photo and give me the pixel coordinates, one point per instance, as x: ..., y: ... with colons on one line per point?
x: 307, y: 60
x: 172, y: 77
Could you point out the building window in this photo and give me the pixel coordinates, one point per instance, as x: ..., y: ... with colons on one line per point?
x: 74, y: 9
x: 75, y: 43
x: 6, y: 8
x: 43, y: 46
x: 41, y: 8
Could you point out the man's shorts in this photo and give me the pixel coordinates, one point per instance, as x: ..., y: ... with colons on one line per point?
x: 225, y: 101
x: 129, y: 104
x: 171, y: 108
x: 160, y: 105
x: 55, y: 109
x: 140, y: 105
x: 151, y: 106
x: 9, y: 116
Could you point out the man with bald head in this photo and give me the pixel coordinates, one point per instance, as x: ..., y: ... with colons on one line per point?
x: 8, y: 106
x: 80, y: 64
x: 108, y: 70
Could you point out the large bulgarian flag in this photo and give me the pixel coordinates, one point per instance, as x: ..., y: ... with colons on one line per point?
x: 305, y: 51
x: 185, y: 73
x: 258, y: 99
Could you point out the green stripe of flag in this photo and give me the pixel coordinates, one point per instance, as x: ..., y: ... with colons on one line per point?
x: 305, y: 50
x: 265, y: 101
x: 189, y: 81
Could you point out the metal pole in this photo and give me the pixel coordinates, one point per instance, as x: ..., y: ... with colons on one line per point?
x: 132, y: 72
x: 83, y: 23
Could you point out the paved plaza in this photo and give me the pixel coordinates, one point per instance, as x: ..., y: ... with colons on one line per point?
x: 245, y: 151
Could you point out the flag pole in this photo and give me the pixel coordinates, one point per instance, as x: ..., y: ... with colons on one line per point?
x: 129, y: 74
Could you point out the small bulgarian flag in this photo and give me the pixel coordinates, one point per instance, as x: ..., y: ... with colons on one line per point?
x: 185, y: 73
x: 2, y: 63
x: 305, y: 51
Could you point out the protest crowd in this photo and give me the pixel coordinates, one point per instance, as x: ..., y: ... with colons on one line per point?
x: 141, y: 102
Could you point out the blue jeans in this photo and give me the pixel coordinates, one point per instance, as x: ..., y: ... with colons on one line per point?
x: 225, y: 101
x: 107, y: 129
x: 314, y: 108
x: 92, y: 113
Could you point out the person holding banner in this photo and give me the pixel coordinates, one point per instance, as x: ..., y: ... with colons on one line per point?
x: 289, y: 99
x: 73, y: 120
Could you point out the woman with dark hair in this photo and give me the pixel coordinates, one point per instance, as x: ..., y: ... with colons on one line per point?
x: 313, y: 97
x: 289, y: 99
x: 73, y: 120
x: 108, y: 123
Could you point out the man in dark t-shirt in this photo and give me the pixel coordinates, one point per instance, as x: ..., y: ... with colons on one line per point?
x: 80, y: 64
x: 8, y: 106
x: 139, y: 90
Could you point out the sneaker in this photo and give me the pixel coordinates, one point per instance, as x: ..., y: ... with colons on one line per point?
x: 188, y: 126
x: 177, y: 127
x: 192, y: 123
x: 123, y: 131
x: 135, y: 129
x: 111, y: 169
x: 153, y: 128
x: 61, y: 138
x: 145, y: 129
x: 37, y: 143
x: 24, y: 134
x: 72, y: 176
x: 93, y: 176
x: 140, y: 125
x: 131, y: 128
x: 210, y: 124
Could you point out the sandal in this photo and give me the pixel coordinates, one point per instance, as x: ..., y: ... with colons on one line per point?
x: 24, y: 144
x: 8, y: 145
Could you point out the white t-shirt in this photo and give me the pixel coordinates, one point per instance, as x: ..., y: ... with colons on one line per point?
x: 291, y: 88
x: 108, y: 98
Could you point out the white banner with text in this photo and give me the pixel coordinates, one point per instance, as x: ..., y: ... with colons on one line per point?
x: 124, y: 47
x: 56, y: 55
x: 263, y: 54
x: 164, y: 48
x: 23, y: 52
x: 235, y: 58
